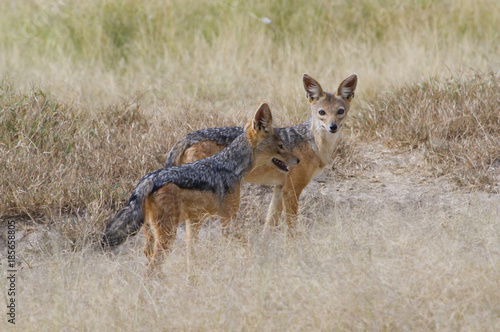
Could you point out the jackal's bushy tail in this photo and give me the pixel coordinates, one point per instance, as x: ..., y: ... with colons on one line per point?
x: 129, y: 220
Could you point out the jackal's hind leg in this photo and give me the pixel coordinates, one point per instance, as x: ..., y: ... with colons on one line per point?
x: 163, y: 213
x: 164, y: 238
x: 149, y: 240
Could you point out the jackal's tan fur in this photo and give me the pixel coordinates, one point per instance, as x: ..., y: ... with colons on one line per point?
x: 312, y: 141
x: 169, y: 196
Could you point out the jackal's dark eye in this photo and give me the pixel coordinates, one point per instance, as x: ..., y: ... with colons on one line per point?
x: 341, y: 111
x: 281, y: 146
x: 321, y: 112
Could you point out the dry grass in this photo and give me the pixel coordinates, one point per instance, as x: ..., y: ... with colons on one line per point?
x: 456, y: 122
x: 59, y: 159
x: 94, y: 93
x: 352, y: 269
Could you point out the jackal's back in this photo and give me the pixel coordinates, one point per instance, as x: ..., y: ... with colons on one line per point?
x: 222, y: 137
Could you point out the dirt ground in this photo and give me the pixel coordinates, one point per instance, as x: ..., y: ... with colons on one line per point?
x: 388, y: 178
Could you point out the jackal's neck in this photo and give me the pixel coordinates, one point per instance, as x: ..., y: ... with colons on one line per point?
x: 237, y: 157
x: 324, y: 141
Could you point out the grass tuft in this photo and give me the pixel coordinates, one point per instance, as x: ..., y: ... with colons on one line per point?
x: 455, y: 122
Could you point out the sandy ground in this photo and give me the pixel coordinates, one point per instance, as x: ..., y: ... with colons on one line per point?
x: 392, y: 179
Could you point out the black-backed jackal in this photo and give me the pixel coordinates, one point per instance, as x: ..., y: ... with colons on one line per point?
x: 166, y: 197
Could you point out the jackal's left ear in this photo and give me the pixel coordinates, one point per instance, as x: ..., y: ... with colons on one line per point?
x: 347, y: 87
x: 263, y: 119
x: 314, y: 91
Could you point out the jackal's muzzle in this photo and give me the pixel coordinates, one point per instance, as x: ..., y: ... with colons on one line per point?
x: 333, y: 128
x: 284, y: 166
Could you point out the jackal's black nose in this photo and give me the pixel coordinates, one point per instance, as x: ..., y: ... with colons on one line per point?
x: 333, y: 127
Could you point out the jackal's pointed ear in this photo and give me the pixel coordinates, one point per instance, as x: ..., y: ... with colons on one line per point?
x: 263, y: 119
x: 314, y: 91
x: 347, y: 87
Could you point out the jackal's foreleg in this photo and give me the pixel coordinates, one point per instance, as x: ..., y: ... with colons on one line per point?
x: 275, y: 209
x: 228, y: 213
x: 291, y: 196
x: 230, y: 229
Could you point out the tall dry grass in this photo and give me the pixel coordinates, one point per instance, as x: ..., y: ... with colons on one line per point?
x: 454, y: 122
x: 58, y: 159
x: 369, y: 267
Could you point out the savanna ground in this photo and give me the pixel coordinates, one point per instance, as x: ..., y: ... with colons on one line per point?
x: 401, y: 233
